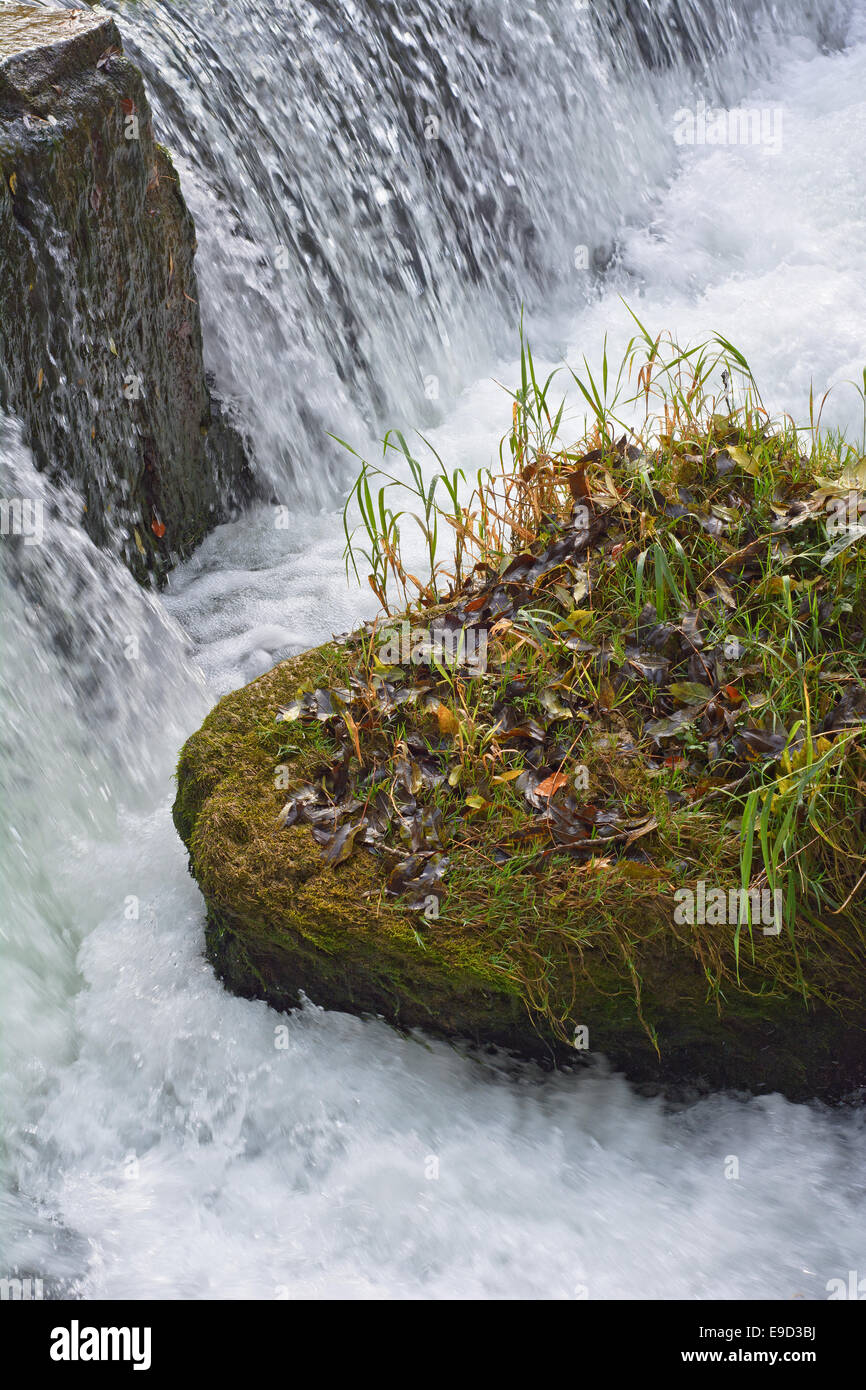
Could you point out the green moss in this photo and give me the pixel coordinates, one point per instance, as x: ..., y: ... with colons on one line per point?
x: 280, y: 919
x: 519, y: 957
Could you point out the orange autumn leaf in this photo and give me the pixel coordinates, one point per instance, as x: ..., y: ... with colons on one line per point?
x: 158, y: 528
x: 448, y: 722
x: 577, y: 483
x: 551, y: 784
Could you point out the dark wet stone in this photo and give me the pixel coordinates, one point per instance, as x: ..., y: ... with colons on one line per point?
x: 100, y: 338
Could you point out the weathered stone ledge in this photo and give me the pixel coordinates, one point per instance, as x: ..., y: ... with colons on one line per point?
x: 100, y: 336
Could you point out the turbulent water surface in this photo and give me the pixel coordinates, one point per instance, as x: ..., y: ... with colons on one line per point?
x: 376, y: 191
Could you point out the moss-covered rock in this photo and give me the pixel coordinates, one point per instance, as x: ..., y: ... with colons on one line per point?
x: 522, y: 954
x: 100, y: 339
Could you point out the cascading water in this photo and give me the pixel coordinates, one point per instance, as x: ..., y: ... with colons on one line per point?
x: 159, y: 1144
x: 376, y: 189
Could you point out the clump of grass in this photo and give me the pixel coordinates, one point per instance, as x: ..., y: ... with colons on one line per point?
x: 711, y: 519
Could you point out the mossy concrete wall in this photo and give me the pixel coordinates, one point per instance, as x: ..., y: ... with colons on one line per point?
x: 100, y: 338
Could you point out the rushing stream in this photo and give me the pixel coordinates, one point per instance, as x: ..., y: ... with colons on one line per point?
x: 376, y: 190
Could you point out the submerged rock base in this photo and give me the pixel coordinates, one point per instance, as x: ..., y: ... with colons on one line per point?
x: 100, y: 337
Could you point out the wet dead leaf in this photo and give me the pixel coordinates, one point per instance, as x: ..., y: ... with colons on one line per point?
x: 606, y: 693
x: 287, y: 714
x: 690, y: 692
x: 449, y: 724
x: 743, y: 459
x: 340, y: 846
x: 672, y: 725
x: 551, y: 785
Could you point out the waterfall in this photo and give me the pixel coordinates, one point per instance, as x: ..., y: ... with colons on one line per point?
x: 379, y: 187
